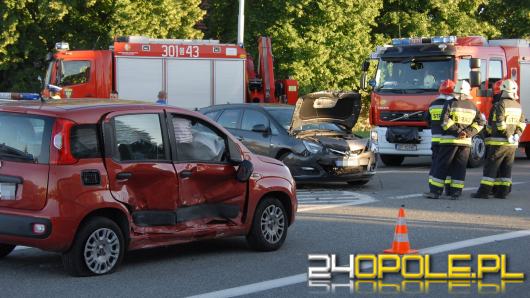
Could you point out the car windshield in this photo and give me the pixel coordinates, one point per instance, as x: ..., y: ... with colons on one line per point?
x: 412, y: 75
x: 282, y: 115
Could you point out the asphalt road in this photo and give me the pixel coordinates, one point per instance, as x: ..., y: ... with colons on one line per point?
x: 332, y: 219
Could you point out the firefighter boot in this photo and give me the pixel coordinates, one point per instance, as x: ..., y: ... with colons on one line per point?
x: 481, y: 193
x: 431, y: 195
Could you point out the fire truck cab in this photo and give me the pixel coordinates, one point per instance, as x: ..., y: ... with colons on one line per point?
x: 193, y: 73
x: 409, y: 73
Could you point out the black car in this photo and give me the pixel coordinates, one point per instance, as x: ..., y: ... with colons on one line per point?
x: 313, y: 138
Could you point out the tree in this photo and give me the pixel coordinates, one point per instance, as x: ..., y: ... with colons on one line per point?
x: 434, y: 17
x: 510, y: 17
x: 31, y: 28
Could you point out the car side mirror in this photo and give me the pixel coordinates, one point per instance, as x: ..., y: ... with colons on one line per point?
x: 235, y: 153
x: 363, y: 81
x: 244, y: 171
x: 261, y: 128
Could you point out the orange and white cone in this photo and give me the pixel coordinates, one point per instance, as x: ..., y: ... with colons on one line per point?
x: 401, y: 244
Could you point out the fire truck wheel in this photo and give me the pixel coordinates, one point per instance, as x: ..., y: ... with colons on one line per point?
x: 392, y: 160
x: 478, y: 152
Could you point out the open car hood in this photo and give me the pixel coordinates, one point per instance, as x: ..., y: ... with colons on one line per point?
x: 341, y: 108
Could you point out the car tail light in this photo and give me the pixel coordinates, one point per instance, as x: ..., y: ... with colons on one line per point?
x: 61, y: 153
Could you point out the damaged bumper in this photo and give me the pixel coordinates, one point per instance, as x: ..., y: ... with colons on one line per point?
x: 331, y: 167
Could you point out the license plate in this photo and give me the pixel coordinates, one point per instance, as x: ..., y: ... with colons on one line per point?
x: 347, y: 162
x: 8, y: 191
x: 406, y: 147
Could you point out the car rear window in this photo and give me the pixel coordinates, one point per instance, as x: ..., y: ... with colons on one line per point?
x: 25, y: 138
x: 84, y: 141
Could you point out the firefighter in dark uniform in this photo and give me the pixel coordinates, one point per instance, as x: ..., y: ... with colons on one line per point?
x: 461, y: 120
x: 507, y: 123
x: 434, y: 119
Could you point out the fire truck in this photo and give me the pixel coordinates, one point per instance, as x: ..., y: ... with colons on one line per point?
x: 408, y: 75
x: 193, y: 73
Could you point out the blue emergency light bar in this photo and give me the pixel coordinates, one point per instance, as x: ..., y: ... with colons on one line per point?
x: 423, y: 40
x: 19, y: 96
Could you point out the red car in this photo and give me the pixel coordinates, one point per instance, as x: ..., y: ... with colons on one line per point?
x: 93, y: 179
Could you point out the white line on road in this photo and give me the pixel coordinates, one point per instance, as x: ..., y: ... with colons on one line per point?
x: 302, y: 277
x: 416, y: 195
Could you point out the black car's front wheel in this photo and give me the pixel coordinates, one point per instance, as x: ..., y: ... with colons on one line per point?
x: 269, y: 226
x: 6, y: 249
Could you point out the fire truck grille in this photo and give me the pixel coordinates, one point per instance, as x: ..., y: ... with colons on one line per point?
x: 405, y: 116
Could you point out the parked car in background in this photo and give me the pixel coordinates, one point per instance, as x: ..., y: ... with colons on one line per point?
x: 93, y: 179
x: 313, y: 138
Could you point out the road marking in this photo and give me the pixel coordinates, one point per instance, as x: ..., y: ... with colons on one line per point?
x: 401, y: 172
x: 416, y: 195
x: 327, y: 199
x: 302, y: 277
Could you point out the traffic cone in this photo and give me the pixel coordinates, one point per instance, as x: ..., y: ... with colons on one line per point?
x: 401, y: 244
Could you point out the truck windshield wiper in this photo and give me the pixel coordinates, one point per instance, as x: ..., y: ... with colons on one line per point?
x: 8, y: 151
x: 419, y: 90
x: 399, y: 91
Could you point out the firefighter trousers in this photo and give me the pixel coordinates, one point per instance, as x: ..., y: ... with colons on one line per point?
x: 451, y: 161
x: 435, y: 148
x: 497, y: 172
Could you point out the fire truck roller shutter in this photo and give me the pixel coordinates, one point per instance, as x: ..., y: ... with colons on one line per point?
x: 229, y: 81
x: 138, y: 78
x: 189, y: 83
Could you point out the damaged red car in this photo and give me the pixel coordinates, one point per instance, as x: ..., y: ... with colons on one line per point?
x: 94, y: 179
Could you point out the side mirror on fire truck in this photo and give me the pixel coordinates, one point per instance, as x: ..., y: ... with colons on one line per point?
x: 365, y: 67
x: 474, y: 74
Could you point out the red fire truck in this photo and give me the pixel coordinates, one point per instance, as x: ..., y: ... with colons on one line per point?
x: 409, y: 73
x: 193, y: 73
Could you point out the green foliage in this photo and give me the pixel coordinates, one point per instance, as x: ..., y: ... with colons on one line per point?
x: 30, y: 28
x: 434, y: 17
x: 511, y: 17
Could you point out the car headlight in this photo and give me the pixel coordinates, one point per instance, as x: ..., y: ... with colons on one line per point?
x: 312, y: 147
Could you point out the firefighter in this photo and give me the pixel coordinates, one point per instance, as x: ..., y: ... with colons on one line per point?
x: 506, y: 123
x: 461, y: 120
x: 433, y: 118
x: 161, y: 98
x: 55, y: 91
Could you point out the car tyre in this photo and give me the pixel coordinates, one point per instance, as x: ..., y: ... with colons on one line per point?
x: 98, y: 249
x: 477, y: 153
x: 358, y: 182
x: 527, y: 150
x: 6, y: 249
x: 269, y: 226
x: 392, y: 160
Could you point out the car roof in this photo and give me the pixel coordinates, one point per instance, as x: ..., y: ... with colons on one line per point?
x: 83, y: 110
x: 246, y: 105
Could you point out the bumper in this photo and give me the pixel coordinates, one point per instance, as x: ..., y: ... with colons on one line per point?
x: 386, y: 148
x: 22, y: 226
x: 16, y: 228
x: 328, y: 167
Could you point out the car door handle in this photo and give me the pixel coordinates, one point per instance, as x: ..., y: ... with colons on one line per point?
x: 185, y: 174
x: 123, y: 175
x: 240, y: 138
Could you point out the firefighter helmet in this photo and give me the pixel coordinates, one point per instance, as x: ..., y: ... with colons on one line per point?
x: 447, y: 87
x: 509, y: 88
x: 463, y: 89
x: 497, y: 87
